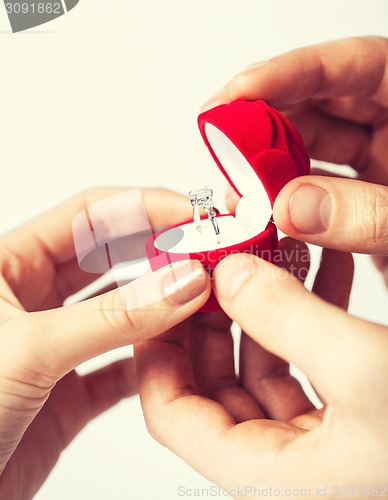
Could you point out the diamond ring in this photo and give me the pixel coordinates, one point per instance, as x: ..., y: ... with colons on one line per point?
x: 204, y: 198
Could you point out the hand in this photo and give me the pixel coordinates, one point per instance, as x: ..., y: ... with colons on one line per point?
x: 43, y: 403
x: 336, y: 94
x: 258, y: 429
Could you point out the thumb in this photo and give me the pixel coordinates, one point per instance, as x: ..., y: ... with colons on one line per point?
x: 333, y: 348
x: 343, y: 214
x: 40, y: 348
x: 54, y: 342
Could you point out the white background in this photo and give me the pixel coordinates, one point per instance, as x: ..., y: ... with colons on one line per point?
x: 108, y: 95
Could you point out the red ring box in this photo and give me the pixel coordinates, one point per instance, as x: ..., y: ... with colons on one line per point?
x: 258, y: 150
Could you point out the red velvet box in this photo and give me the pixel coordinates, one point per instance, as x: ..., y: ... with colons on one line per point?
x: 258, y: 150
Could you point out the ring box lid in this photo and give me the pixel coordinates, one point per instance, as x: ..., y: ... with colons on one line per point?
x: 258, y: 150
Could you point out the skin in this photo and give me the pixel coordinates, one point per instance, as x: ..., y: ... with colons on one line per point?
x: 257, y: 428
x: 44, y: 403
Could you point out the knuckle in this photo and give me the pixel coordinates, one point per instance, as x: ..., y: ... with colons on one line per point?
x: 376, y: 219
x: 111, y: 311
x: 152, y: 423
x: 27, y: 377
x: 20, y: 394
x: 239, y: 84
x: 89, y: 195
x: 155, y: 416
x: 117, y: 317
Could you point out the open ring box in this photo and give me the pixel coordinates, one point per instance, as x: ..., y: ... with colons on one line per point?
x: 258, y: 150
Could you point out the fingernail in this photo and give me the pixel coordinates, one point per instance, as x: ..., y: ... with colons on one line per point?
x: 310, y: 209
x: 232, y: 273
x: 180, y: 282
x: 184, y: 282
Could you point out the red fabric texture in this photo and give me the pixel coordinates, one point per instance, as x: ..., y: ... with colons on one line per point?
x: 266, y: 138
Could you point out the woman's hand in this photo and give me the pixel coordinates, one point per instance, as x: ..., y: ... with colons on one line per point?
x: 43, y: 403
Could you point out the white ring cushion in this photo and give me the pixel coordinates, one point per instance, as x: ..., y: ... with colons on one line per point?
x: 253, y: 211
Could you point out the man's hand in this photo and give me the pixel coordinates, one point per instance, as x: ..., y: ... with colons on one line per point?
x: 257, y: 429
x: 336, y: 94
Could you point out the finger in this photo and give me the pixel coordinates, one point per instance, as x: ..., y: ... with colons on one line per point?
x: 340, y: 141
x: 287, y: 320
x: 265, y: 376
x: 76, y: 400
x: 192, y: 426
x: 201, y: 431
x: 53, y: 229
x: 333, y: 281
x: 342, y: 214
x: 327, y: 173
x: 332, y: 139
x: 109, y: 385
x: 44, y: 247
x: 357, y: 109
x: 314, y: 72
x: 55, y: 341
x: 47, y: 241
x: 310, y: 420
x: 210, y: 345
x: 334, y: 278
x: 294, y: 256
